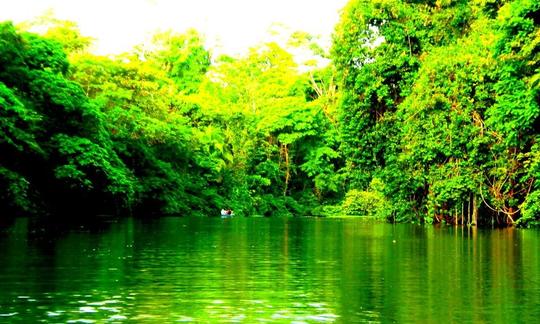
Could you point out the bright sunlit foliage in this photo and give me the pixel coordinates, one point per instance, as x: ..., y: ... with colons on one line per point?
x: 427, y: 111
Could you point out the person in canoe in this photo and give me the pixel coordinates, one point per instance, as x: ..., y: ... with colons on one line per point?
x: 227, y: 213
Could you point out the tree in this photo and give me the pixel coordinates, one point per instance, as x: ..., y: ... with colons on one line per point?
x: 182, y: 56
x: 70, y: 161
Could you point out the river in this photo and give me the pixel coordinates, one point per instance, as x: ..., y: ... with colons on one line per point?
x: 259, y: 270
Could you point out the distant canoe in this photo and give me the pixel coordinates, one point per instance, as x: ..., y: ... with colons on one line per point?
x: 226, y: 213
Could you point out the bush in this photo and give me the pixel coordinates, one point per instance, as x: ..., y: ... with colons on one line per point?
x: 369, y: 202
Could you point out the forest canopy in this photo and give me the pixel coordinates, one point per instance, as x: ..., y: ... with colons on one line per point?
x: 427, y: 112
x: 440, y: 105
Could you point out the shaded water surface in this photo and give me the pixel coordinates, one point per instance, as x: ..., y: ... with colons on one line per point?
x: 266, y: 270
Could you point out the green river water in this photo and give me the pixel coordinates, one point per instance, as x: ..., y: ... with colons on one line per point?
x: 258, y: 270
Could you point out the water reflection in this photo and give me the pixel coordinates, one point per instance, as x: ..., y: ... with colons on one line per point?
x: 266, y: 270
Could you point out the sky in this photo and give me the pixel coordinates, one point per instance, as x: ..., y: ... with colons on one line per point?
x: 229, y: 26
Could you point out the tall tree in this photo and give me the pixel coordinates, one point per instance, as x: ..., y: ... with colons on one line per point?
x: 74, y: 163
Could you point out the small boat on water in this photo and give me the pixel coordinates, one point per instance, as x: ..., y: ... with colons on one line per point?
x: 227, y: 213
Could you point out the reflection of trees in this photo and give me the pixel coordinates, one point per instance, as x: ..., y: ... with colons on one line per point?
x: 200, y: 268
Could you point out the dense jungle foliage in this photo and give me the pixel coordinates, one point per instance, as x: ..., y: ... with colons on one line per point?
x: 440, y: 109
x: 428, y: 112
x: 162, y: 130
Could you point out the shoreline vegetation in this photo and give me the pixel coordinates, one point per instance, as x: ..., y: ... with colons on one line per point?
x: 428, y: 112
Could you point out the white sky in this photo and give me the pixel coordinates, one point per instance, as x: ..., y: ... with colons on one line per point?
x: 230, y: 26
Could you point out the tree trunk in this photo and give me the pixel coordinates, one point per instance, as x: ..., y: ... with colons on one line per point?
x: 285, y: 152
x: 474, y: 211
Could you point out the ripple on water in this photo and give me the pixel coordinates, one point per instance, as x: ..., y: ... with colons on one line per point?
x: 280, y: 315
x: 316, y: 312
x: 103, y: 303
x: 185, y: 319
x: 8, y: 314
x: 87, y: 309
x: 238, y: 318
x: 256, y: 301
x: 323, y: 317
x: 317, y: 305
